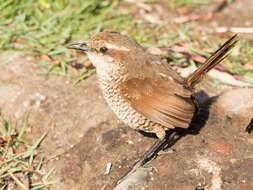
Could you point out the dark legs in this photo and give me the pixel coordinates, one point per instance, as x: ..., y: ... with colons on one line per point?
x: 170, y: 138
x: 249, y: 128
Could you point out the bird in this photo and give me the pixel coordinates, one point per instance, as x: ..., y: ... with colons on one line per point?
x: 142, y: 89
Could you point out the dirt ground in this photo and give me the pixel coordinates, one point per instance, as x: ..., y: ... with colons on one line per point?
x: 84, y: 135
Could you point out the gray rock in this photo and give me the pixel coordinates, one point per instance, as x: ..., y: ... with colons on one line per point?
x: 136, y: 180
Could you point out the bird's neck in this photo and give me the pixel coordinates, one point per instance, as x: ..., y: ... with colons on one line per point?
x: 111, y: 78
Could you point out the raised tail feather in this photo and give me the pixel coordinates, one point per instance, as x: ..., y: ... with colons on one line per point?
x: 211, y: 62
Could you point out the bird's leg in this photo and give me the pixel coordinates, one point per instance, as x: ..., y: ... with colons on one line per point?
x: 152, y: 152
x: 154, y: 149
x: 249, y: 128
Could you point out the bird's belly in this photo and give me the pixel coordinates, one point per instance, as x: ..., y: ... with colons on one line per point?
x: 125, y: 112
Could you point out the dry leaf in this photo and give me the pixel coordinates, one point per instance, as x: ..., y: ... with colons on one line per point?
x: 144, y: 6
x: 57, y: 62
x: 249, y: 66
x: 87, y: 63
x: 198, y: 58
x: 20, y: 41
x: 155, y: 51
x: 45, y: 57
x: 222, y: 68
x: 75, y: 71
x: 185, y: 19
x: 183, y: 10
x: 227, y: 78
x: 154, y: 19
x: 178, y: 49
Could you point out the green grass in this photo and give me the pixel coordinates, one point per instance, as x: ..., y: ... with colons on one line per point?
x: 19, y: 165
x: 191, y: 3
x: 242, y: 54
x: 43, y: 28
x: 46, y: 27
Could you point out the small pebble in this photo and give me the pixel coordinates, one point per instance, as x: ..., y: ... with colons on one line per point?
x: 108, y: 168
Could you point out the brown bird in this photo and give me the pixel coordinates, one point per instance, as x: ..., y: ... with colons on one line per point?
x: 142, y: 89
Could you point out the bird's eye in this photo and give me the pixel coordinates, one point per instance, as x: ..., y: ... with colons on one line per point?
x: 103, y: 49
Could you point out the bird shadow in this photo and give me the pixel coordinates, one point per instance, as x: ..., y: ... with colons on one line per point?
x: 172, y: 136
x: 197, y: 124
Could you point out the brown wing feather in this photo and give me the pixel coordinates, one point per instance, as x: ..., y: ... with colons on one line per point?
x: 162, y: 101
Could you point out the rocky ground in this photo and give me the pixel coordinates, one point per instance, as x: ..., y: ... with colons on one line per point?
x: 84, y: 136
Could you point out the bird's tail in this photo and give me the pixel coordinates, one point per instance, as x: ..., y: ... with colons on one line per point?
x: 211, y: 62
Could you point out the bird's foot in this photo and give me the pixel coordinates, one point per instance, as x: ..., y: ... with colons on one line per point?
x: 160, y: 144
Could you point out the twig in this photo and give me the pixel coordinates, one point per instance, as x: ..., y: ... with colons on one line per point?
x: 184, y: 19
x: 234, y: 29
x: 183, y: 51
x: 17, y: 181
x: 220, y: 7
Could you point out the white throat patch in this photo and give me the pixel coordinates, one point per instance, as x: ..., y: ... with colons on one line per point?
x: 103, y: 63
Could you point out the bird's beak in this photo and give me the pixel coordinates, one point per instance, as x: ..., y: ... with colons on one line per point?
x: 80, y: 46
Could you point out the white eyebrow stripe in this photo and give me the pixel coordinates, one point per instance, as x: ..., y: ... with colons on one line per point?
x: 112, y: 46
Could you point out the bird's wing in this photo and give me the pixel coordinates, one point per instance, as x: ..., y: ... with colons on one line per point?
x: 162, y: 101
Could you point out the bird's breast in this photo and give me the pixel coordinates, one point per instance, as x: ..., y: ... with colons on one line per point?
x: 122, y: 108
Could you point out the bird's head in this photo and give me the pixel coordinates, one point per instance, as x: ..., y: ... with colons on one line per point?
x: 110, y: 50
